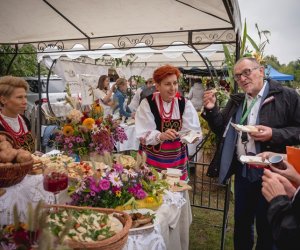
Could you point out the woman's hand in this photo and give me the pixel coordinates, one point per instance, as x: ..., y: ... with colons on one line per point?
x: 209, y: 99
x: 169, y: 134
x: 289, y: 173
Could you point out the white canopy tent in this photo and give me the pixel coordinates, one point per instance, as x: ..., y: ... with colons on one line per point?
x: 58, y: 25
x: 122, y: 23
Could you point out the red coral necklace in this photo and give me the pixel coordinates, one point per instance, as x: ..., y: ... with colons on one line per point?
x: 163, y: 113
x: 8, y: 128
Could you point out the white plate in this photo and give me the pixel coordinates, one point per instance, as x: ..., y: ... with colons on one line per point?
x: 144, y: 228
x: 257, y: 160
x: 174, y: 172
x: 245, y: 128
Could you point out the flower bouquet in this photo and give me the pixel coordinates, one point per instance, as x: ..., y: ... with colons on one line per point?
x: 85, y: 132
x: 121, y: 188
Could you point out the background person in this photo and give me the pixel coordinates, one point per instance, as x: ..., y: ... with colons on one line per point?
x: 135, y: 102
x: 119, y: 99
x: 274, y: 110
x: 103, y: 93
x: 160, y: 117
x: 13, y: 99
x: 196, y: 94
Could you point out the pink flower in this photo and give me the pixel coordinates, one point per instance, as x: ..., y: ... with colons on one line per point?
x: 104, y: 184
x: 115, y: 180
x: 118, y: 167
x: 94, y: 185
x: 140, y: 194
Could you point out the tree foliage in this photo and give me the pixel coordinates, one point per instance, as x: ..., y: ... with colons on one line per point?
x: 292, y: 68
x: 25, y: 63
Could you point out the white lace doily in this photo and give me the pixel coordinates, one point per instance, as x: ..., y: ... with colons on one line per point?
x: 174, y: 198
x: 150, y: 241
x: 30, y: 190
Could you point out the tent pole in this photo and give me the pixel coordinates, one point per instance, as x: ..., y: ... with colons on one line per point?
x: 193, y: 46
x: 39, y: 121
x: 47, y: 88
x: 12, y: 60
x: 237, y: 57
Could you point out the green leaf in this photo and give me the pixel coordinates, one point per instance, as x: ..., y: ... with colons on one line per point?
x: 244, y: 38
x: 255, y: 46
x: 228, y: 56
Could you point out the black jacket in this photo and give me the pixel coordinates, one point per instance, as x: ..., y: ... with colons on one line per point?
x: 284, y: 216
x: 280, y: 111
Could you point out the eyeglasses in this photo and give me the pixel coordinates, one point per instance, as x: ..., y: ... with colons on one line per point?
x: 246, y: 73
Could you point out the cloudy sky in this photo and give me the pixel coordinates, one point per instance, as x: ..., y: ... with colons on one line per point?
x: 282, y: 19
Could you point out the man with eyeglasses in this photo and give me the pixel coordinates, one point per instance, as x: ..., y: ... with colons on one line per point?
x: 275, y: 111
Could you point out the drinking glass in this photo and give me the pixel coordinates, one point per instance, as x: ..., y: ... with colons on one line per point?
x: 55, y: 180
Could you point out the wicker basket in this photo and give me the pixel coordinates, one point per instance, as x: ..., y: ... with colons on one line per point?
x: 115, y: 242
x: 15, y: 173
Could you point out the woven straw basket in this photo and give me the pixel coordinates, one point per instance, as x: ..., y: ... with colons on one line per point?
x: 115, y: 242
x: 11, y: 174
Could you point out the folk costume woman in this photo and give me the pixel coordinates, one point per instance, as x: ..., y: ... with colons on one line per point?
x: 160, y: 117
x: 13, y: 99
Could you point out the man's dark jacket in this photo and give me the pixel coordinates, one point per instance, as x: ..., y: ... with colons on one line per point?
x: 280, y: 110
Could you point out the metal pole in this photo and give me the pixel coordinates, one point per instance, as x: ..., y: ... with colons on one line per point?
x: 237, y: 57
x: 225, y: 213
x: 47, y: 88
x: 12, y: 60
x: 39, y: 120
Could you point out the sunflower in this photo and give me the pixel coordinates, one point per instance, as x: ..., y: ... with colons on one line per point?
x: 68, y: 130
x: 88, y: 123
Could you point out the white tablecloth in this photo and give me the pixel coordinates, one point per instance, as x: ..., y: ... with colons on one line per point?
x: 171, y: 232
x: 133, y: 143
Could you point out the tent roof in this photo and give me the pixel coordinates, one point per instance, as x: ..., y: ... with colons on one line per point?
x: 275, y: 75
x: 122, y: 23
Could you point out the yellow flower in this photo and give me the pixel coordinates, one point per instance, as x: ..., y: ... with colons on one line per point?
x: 149, y: 199
x: 68, y: 130
x: 88, y: 123
x: 118, y: 193
x: 97, y: 108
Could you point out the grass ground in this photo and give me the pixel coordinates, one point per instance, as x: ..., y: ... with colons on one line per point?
x: 206, y: 228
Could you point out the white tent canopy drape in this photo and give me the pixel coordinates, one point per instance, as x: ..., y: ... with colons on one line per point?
x: 143, y: 59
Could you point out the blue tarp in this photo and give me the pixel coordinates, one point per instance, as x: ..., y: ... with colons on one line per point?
x: 275, y: 75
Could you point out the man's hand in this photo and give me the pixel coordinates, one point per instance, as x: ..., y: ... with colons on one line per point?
x: 264, y: 133
x: 271, y: 186
x: 267, y: 154
x: 209, y: 99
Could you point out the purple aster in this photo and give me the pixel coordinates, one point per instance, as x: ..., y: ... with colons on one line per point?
x: 140, y: 194
x: 118, y: 167
x: 104, y: 184
x: 94, y: 185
